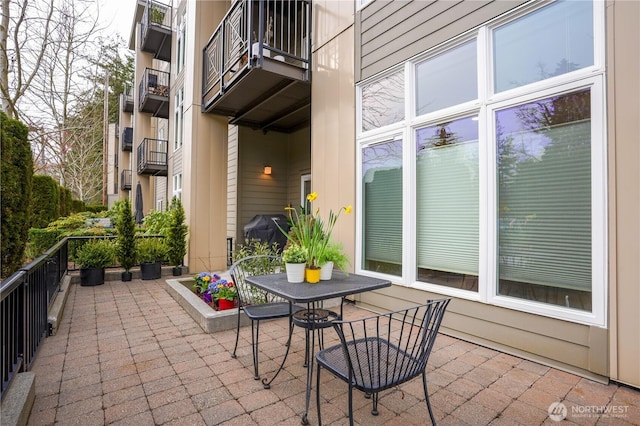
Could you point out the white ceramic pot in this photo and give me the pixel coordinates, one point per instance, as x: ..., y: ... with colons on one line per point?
x: 265, y: 52
x: 295, y: 272
x: 326, y: 270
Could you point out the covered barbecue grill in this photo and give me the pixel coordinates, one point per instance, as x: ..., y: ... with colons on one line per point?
x: 263, y: 228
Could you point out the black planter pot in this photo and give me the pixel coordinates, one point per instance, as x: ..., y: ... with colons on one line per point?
x: 126, y: 276
x: 151, y: 271
x: 177, y: 271
x: 91, y: 276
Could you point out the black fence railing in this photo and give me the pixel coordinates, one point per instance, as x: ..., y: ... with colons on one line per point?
x: 25, y: 298
x: 153, y: 156
x: 125, y: 180
x: 24, y: 301
x: 126, y: 99
x: 127, y: 139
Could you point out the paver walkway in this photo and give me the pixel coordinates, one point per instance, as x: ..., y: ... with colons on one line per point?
x: 128, y: 354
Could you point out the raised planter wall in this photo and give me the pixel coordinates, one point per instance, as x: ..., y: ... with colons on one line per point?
x: 207, y: 318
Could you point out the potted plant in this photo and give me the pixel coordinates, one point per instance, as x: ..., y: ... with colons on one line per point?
x: 332, y: 256
x: 295, y: 259
x: 313, y: 234
x: 151, y: 252
x: 93, y: 257
x: 157, y: 15
x: 125, y: 249
x: 176, y: 237
x: 224, y: 293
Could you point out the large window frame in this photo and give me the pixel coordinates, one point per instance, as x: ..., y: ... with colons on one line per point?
x: 488, y: 102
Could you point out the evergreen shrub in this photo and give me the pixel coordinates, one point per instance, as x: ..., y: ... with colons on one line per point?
x: 15, y: 193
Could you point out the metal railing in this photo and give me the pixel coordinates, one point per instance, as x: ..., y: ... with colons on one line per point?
x: 25, y: 298
x: 253, y: 30
x: 154, y: 82
x: 127, y: 139
x: 24, y: 301
x: 152, y: 153
x: 156, y: 13
x: 125, y: 179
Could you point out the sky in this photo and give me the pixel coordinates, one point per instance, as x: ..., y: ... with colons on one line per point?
x: 117, y: 15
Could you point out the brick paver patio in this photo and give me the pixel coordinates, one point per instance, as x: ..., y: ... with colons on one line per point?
x: 128, y: 354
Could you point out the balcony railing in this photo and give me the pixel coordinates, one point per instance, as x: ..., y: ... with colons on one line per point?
x: 127, y: 139
x: 154, y: 93
x: 256, y: 64
x: 125, y: 180
x: 156, y: 30
x: 126, y: 99
x: 152, y: 157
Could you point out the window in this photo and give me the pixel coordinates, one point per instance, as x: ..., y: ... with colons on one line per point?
x: 492, y: 185
x: 382, y: 207
x: 447, y: 79
x: 551, y: 41
x: 177, y: 186
x: 447, y: 203
x: 179, y: 118
x: 305, y: 189
x: 544, y: 200
x: 180, y: 43
x: 383, y: 101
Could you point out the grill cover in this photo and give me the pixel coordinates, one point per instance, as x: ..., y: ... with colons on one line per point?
x: 263, y: 228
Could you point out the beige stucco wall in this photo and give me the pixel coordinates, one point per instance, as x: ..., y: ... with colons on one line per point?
x: 204, y: 151
x: 623, y: 86
x: 333, y: 144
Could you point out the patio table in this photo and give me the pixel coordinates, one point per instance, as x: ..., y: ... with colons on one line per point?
x: 340, y: 285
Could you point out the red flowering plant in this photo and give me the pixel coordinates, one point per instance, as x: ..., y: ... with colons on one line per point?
x: 223, y: 289
x: 213, y: 287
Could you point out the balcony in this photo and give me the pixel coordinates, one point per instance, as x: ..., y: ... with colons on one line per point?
x: 152, y: 157
x: 256, y: 65
x: 127, y: 139
x: 156, y: 30
x: 126, y: 99
x: 125, y: 180
x: 154, y: 93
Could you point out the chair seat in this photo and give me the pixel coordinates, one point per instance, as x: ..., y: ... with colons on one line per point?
x: 321, y: 318
x: 270, y: 310
x: 381, y: 365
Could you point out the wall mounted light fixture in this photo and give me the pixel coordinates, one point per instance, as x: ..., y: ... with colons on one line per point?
x: 267, y: 170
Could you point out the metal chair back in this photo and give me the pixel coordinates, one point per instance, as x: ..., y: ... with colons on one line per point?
x: 382, y: 351
x: 255, y: 265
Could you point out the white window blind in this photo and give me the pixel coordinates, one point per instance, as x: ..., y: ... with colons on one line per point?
x: 545, y: 199
x: 447, y: 208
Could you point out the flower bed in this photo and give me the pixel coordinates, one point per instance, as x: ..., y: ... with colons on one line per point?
x: 215, y: 291
x: 203, y: 314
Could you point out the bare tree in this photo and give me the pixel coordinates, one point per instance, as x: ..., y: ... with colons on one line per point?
x: 52, y: 59
x: 25, y: 31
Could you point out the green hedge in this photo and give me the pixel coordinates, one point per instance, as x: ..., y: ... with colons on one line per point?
x: 41, y: 240
x: 65, y: 201
x: 15, y: 192
x: 95, y: 208
x: 77, y: 206
x: 45, y: 201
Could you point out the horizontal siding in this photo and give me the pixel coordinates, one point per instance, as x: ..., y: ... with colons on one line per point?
x: 562, y: 344
x: 390, y: 32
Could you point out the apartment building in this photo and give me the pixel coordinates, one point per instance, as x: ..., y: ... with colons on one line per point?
x: 489, y: 149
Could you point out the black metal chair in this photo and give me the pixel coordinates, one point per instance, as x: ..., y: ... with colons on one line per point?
x: 258, y: 304
x: 383, y: 351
